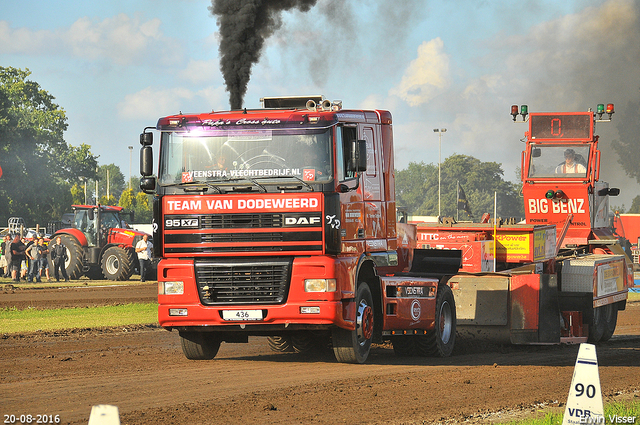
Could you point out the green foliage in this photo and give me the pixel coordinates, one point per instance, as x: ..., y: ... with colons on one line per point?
x: 417, y: 188
x: 635, y: 206
x: 143, y: 209
x: 77, y: 194
x: 39, y: 168
x: 127, y: 200
x: 627, y: 123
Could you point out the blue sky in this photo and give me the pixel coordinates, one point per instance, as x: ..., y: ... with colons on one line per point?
x: 115, y: 67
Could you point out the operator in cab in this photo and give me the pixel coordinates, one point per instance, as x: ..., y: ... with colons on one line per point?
x: 570, y: 166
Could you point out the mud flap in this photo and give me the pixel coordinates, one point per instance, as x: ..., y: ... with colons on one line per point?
x: 535, y: 313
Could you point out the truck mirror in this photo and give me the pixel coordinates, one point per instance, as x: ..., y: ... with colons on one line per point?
x: 358, y: 156
x: 536, y: 152
x: 146, y: 139
x: 146, y: 160
x: 614, y: 191
x: 90, y: 215
x: 147, y: 185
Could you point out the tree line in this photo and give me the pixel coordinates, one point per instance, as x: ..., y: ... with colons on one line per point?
x: 417, y: 189
x: 42, y: 175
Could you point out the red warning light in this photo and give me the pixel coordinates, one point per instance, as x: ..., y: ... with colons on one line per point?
x: 610, y: 108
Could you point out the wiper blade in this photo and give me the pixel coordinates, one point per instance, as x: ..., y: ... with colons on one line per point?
x: 188, y: 185
x: 307, y: 185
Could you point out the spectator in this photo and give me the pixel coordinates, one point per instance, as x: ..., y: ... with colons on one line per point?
x: 44, y: 261
x: 24, y: 266
x: 4, y: 246
x: 17, y: 257
x: 143, y: 248
x: 59, y: 258
x: 33, y: 254
x: 7, y: 255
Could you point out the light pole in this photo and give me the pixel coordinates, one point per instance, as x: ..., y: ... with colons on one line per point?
x: 439, y: 131
x: 130, y: 159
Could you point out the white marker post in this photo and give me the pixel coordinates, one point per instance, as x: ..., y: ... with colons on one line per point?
x: 584, y: 405
x: 104, y: 414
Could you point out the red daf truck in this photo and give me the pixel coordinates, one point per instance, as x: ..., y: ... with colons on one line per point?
x: 562, y: 276
x: 281, y: 222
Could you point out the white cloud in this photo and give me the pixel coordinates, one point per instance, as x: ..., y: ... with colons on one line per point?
x: 150, y: 104
x: 427, y: 75
x: 120, y: 39
x: 201, y: 71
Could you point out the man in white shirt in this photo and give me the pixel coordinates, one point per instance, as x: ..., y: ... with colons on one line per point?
x: 570, y: 166
x: 143, y: 248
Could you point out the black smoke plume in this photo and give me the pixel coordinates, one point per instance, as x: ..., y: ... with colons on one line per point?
x: 244, y: 27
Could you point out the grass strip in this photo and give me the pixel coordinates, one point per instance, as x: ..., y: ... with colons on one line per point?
x: 32, y: 320
x: 613, y: 413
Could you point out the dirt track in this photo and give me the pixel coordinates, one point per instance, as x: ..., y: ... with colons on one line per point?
x: 143, y: 372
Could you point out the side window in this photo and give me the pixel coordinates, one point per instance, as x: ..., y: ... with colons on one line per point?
x: 344, y: 136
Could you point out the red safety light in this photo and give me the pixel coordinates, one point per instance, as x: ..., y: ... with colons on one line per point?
x: 514, y: 111
x: 610, y: 108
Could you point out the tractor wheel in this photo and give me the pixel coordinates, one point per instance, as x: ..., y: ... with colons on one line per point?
x: 439, y: 342
x: 199, y: 345
x: 280, y: 344
x: 95, y: 273
x: 611, y: 320
x: 75, y: 256
x: 117, y: 263
x: 354, y: 346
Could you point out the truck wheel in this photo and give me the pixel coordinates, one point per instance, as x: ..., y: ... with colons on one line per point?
x: 354, y: 346
x: 280, y: 344
x: 199, y: 345
x: 598, y: 325
x: 439, y: 342
x: 404, y: 345
x: 117, y: 263
x: 75, y: 256
x: 303, y: 342
x: 611, y: 320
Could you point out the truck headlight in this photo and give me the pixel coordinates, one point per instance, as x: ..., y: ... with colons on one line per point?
x: 320, y: 285
x: 171, y: 288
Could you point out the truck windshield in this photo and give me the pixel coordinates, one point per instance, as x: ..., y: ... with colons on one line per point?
x: 567, y: 161
x: 220, y: 155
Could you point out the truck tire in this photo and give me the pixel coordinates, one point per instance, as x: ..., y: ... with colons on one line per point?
x: 598, y: 325
x: 280, y: 344
x: 404, y: 345
x: 303, y: 342
x: 611, y: 320
x: 440, y: 340
x: 199, y: 345
x: 117, y: 263
x: 354, y: 346
x: 75, y: 256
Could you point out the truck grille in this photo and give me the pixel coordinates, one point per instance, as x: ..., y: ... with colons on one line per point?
x: 240, y: 221
x: 213, y: 234
x: 238, y: 281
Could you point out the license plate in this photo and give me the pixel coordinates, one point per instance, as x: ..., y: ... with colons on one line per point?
x: 242, y: 314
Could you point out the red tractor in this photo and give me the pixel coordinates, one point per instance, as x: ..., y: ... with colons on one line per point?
x: 99, y: 244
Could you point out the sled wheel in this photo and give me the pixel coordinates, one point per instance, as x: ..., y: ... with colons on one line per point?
x: 280, y: 344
